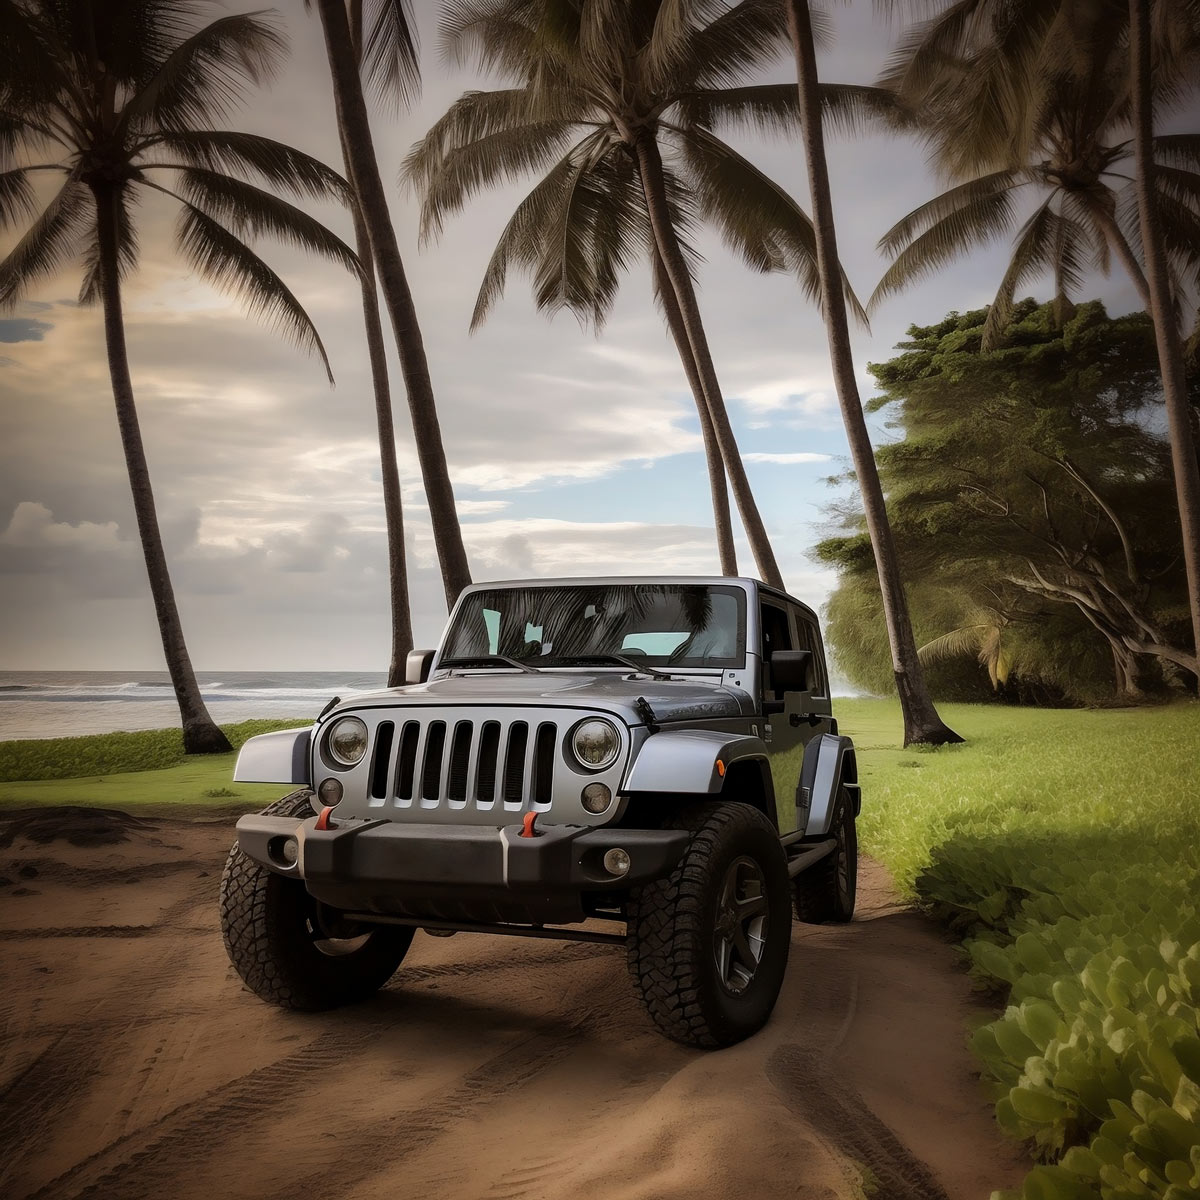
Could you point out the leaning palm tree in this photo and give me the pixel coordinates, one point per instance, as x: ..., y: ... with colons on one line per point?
x: 921, y: 721
x: 354, y: 126
x: 385, y: 50
x: 587, y: 221
x: 601, y: 89
x: 117, y: 100
x: 1155, y: 220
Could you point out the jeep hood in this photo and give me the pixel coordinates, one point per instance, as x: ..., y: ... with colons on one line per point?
x: 683, y: 699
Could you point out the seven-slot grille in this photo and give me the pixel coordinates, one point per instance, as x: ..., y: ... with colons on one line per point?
x: 461, y: 762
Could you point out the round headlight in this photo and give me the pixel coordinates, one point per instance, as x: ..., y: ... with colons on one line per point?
x: 596, y: 743
x: 346, y: 741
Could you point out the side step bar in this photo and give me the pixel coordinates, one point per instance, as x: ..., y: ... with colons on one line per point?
x: 810, y: 854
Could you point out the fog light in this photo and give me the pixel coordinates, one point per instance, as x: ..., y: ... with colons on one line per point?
x: 290, y: 851
x: 616, y: 861
x: 330, y: 792
x: 596, y: 797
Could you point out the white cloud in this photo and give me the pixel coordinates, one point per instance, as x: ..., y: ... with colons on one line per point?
x: 785, y: 459
x: 32, y: 525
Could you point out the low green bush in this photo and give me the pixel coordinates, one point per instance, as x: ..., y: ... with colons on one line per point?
x: 110, y: 753
x: 1070, y: 864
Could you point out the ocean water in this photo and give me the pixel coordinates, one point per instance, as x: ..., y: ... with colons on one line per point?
x: 45, y: 704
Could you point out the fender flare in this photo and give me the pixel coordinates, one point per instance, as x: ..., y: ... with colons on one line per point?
x: 828, y: 761
x: 685, y: 761
x: 280, y: 757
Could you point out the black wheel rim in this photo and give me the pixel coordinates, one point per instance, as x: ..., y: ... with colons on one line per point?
x: 740, y: 925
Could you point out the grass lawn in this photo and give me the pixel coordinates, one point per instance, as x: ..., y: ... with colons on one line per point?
x: 131, y: 770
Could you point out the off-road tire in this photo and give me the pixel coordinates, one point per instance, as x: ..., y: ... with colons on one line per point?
x: 268, y: 923
x: 673, y: 930
x: 825, y: 892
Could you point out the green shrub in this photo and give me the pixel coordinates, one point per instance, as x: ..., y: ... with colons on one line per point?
x: 1065, y: 849
x: 110, y: 753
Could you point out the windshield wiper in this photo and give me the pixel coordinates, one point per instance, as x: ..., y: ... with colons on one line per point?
x: 636, y: 667
x: 476, y: 660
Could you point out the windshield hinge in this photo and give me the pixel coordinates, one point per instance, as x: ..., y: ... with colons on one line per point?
x: 642, y: 707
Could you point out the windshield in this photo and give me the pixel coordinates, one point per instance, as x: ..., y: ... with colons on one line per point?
x: 659, y: 624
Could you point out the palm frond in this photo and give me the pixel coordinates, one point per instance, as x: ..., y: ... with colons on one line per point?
x: 967, y: 639
x: 1182, y: 185
x: 52, y: 239
x: 248, y: 211
x: 500, y: 157
x: 747, y: 35
x: 498, y: 35
x: 207, y: 75
x: 476, y: 115
x: 390, y: 58
x: 274, y: 162
x: 127, y: 250
x: 756, y: 217
x: 1178, y: 149
x: 774, y: 108
x: 227, y: 262
x: 17, y: 196
x: 522, y: 239
x: 958, y: 219
x: 1047, y: 241
x: 1181, y: 235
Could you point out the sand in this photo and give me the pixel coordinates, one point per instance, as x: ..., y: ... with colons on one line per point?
x: 133, y: 1063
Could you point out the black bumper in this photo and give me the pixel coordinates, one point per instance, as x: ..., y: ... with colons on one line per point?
x: 380, y: 856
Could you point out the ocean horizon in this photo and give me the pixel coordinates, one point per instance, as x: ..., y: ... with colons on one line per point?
x: 51, y: 704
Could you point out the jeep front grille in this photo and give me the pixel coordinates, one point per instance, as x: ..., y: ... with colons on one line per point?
x: 461, y: 763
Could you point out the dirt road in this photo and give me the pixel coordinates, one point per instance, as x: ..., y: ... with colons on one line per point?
x: 133, y: 1064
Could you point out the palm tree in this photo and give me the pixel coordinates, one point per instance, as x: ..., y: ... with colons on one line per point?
x: 1154, y: 220
x: 385, y: 50
x: 601, y: 89
x: 1042, y: 95
x: 921, y: 721
x: 371, y: 200
x: 112, y: 97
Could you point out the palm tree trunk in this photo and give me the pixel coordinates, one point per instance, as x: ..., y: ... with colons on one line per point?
x: 651, y: 171
x: 1120, y: 246
x: 921, y: 721
x: 1166, y: 330
x: 201, y: 735
x: 355, y: 129
x: 393, y: 510
x: 722, y: 518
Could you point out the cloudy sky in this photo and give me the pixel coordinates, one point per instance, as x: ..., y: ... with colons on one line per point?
x: 570, y: 454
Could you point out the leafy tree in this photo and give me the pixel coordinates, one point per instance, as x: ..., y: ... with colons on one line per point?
x: 922, y: 724
x: 1030, y: 486
x: 389, y: 58
x: 1025, y: 94
x: 600, y: 89
x: 117, y: 98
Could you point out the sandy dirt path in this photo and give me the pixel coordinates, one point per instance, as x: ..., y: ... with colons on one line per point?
x: 133, y: 1064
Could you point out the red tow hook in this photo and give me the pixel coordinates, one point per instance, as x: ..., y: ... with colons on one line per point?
x: 527, y: 829
x: 323, y: 819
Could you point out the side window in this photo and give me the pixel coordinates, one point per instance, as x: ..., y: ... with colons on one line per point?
x: 776, y: 635
x: 808, y: 638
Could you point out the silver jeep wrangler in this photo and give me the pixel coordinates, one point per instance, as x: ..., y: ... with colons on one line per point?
x: 649, y: 762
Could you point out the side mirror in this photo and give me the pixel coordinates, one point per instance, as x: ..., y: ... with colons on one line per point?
x: 416, y: 666
x: 791, y: 671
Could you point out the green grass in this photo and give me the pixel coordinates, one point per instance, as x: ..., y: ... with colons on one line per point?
x: 123, y: 770
x: 1064, y: 847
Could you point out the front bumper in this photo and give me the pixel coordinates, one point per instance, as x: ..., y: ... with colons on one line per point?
x: 389, y: 866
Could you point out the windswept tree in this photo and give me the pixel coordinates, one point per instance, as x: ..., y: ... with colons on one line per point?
x: 922, y: 724
x: 1055, y: 99
x: 616, y: 103
x: 388, y: 53
x: 117, y: 100
x: 587, y: 220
